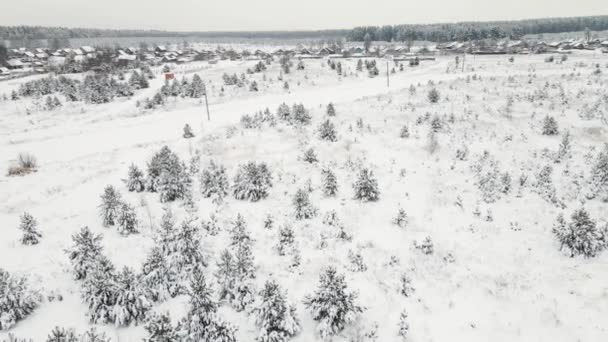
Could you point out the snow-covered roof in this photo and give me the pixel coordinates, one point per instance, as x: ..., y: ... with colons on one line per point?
x: 87, y: 49
x: 14, y: 63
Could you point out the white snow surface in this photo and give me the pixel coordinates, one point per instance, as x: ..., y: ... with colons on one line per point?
x: 503, y: 284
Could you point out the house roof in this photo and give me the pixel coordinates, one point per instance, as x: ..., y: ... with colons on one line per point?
x: 14, y: 62
x: 87, y: 49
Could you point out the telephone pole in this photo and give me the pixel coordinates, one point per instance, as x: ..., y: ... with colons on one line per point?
x: 206, y: 102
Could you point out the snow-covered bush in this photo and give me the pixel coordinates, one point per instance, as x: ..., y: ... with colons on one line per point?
x: 284, y: 112
x: 403, y: 326
x: 29, y: 226
x: 581, y: 236
x: 310, y: 156
x: 332, y: 305
x: 252, y: 182
x: 17, y: 299
x: 188, y: 132
x: 275, y: 317
x: 185, y: 251
x: 25, y: 164
x: 330, y: 182
x: 303, y: 208
x: 550, y: 126
x: 405, y: 285
x: 59, y: 334
x: 160, y: 329
x: 401, y: 220
x: 135, y: 179
x: 356, y: 261
x: 426, y: 246
x: 110, y: 206
x: 214, y: 181
x: 404, y: 132
x: 327, y: 131
x: 366, y: 186
x: 99, y: 293
x: 331, y: 111
x: 564, y: 148
x: 300, y: 115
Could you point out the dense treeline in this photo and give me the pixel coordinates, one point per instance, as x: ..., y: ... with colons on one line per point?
x: 43, y: 32
x: 464, y: 31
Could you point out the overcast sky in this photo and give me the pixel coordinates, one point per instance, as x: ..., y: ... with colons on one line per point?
x: 249, y: 15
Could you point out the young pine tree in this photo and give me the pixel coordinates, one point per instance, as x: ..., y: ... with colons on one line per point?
x: 160, y: 329
x: 135, y: 180
x: 85, y: 252
x: 127, y: 220
x: 275, y: 317
x: 29, y: 226
x: 581, y: 236
x: 332, y: 305
x: 110, y: 206
x: 366, y: 186
x: 131, y: 304
x: 327, y: 131
x: 161, y: 281
x: 330, y: 182
x: 303, y: 208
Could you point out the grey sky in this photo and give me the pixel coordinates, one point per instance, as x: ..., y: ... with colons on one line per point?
x: 237, y: 15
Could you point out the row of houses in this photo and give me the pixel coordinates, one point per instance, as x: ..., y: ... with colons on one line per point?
x: 522, y: 46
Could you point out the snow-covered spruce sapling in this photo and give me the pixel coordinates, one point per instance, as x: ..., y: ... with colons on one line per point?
x: 85, y: 252
x: 366, y: 186
x: 356, y: 261
x: 202, y: 322
x: 29, y: 226
x: 404, y: 132
x: 401, y: 220
x: 300, y: 115
x: 403, y: 326
x: 17, y: 299
x: 162, y: 161
x: 563, y: 151
x: 286, y: 239
x: 332, y: 305
x: 405, y: 285
x: 135, y: 179
x: 214, y: 181
x: 581, y: 236
x: 330, y: 182
x: 433, y: 95
x: 110, y: 206
x: 426, y: 246
x: 303, y: 208
x: 327, y: 131
x: 252, y: 182
x: 174, y: 183
x: 269, y: 221
x: 59, y: 334
x: 99, y: 290
x: 550, y: 126
x: 599, y: 176
x: 310, y: 156
x: 131, y: 304
x: 159, y: 328
x: 185, y: 251
x: 188, y: 132
x: 331, y: 110
x: 161, y: 281
x: 126, y: 221
x: 275, y: 316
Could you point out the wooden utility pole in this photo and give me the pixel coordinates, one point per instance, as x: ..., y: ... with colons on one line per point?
x: 463, y: 57
x: 387, y: 76
x: 206, y: 102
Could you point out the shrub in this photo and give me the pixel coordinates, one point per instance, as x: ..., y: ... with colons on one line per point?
x: 310, y: 156
x: 401, y: 219
x: 17, y: 300
x: 188, y: 132
x: 300, y: 115
x: 599, y: 175
x: 405, y: 132
x: 330, y: 182
x: 252, y: 182
x: 366, y: 186
x: 26, y: 163
x: 331, y: 111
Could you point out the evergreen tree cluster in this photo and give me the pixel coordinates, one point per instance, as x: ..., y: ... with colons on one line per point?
x: 258, y: 120
x: 296, y: 115
x: 115, y: 212
x: 214, y: 181
x: 168, y: 175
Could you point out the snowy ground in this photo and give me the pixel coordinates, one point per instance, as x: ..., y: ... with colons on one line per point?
x: 502, y: 284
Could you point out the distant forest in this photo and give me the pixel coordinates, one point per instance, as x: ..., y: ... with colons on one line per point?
x: 465, y: 31
x: 41, y: 32
x: 462, y: 31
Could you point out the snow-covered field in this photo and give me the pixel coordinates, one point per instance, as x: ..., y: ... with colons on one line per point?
x: 496, y: 272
